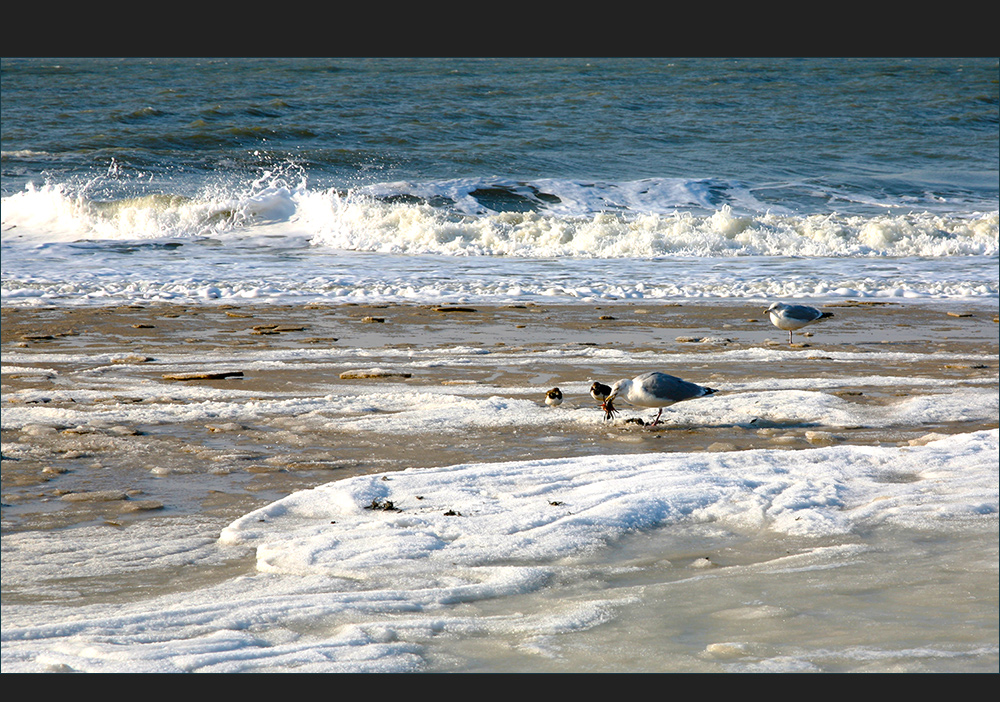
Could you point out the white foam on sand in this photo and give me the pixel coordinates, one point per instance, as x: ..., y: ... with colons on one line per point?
x: 371, y: 573
x: 357, y: 575
x: 392, y: 406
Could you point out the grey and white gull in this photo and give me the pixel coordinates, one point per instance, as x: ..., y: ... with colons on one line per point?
x: 792, y: 317
x: 653, y: 389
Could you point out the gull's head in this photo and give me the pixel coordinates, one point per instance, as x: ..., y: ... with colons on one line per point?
x: 617, y: 387
x: 608, y: 404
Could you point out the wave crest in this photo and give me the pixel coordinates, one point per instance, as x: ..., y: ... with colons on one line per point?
x: 465, y: 218
x: 361, y: 223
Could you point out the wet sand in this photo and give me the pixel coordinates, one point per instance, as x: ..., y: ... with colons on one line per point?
x: 55, y: 476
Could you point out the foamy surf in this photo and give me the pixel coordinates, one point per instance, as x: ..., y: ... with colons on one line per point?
x: 490, y: 218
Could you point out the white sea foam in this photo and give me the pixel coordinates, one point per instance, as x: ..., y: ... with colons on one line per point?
x: 670, y: 219
x: 402, y: 409
x: 278, y: 240
x: 362, y: 225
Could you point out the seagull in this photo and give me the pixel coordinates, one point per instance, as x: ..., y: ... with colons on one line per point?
x: 791, y: 317
x: 652, y: 390
x: 553, y: 398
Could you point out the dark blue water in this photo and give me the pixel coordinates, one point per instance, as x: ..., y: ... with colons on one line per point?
x: 818, y: 134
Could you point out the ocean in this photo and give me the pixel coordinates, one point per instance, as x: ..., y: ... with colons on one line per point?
x: 223, y: 184
x: 452, y: 180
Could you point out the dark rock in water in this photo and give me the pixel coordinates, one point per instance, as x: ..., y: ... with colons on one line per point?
x: 206, y: 375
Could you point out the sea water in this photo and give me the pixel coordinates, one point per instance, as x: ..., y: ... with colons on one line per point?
x: 502, y: 179
x: 257, y: 181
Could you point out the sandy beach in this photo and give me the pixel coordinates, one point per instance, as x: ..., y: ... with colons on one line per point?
x: 56, y: 475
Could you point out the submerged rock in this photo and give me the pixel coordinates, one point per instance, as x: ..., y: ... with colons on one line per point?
x: 203, y: 375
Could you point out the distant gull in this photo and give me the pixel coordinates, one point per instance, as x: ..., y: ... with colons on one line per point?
x: 652, y: 390
x: 792, y: 317
x: 553, y: 398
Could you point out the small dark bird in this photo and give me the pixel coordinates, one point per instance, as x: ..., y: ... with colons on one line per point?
x: 792, y: 317
x: 653, y: 390
x: 553, y: 398
x: 600, y: 392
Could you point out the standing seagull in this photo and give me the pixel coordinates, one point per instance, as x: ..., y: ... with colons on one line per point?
x: 791, y: 317
x: 653, y: 390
